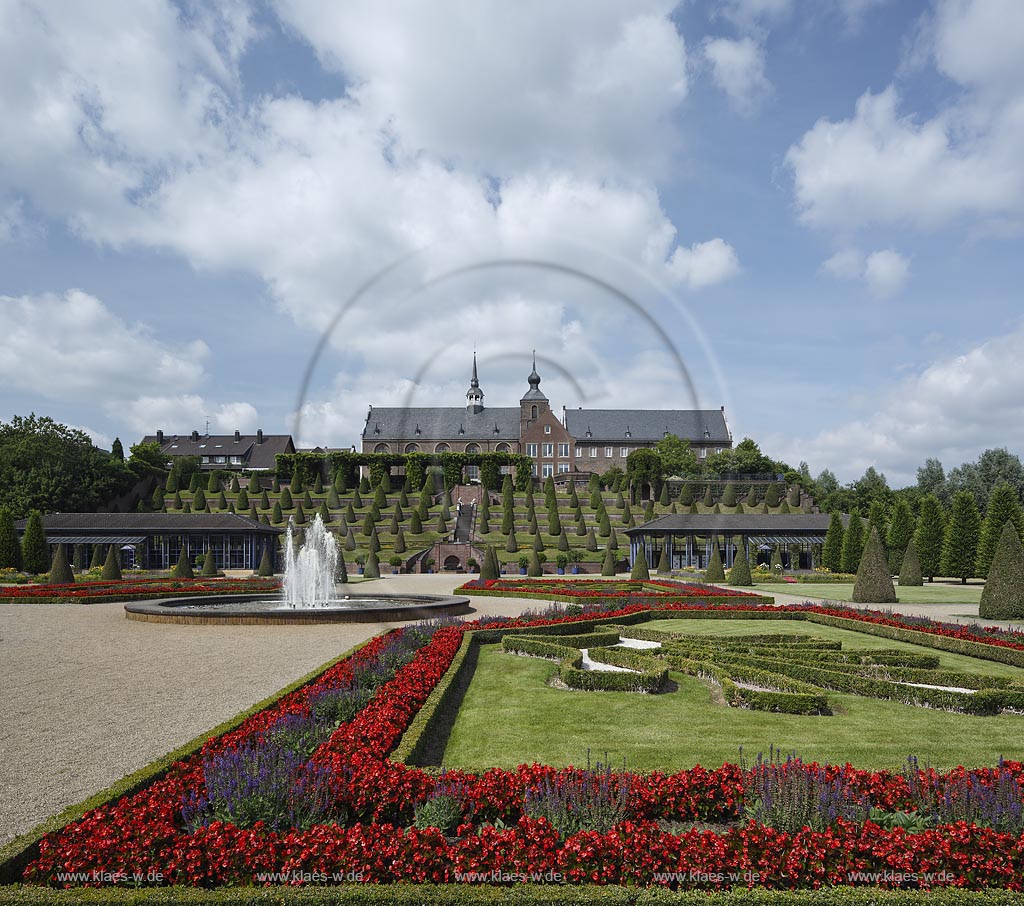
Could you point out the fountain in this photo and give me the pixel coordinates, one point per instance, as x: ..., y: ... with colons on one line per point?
x: 308, y: 595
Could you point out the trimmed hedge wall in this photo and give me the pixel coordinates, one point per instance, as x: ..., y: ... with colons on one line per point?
x: 516, y: 895
x: 17, y: 853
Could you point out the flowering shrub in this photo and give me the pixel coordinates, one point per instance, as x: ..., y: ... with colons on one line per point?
x: 378, y: 799
x: 131, y: 589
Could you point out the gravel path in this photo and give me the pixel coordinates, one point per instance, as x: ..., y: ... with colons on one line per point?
x: 90, y: 696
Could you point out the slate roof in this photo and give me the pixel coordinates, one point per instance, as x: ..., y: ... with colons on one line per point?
x: 647, y: 424
x: 733, y: 523
x: 254, y: 455
x: 438, y: 423
x: 150, y: 523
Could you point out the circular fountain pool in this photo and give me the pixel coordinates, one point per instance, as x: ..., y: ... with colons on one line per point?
x: 255, y: 609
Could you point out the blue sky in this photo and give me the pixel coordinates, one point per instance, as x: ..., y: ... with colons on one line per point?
x: 818, y: 201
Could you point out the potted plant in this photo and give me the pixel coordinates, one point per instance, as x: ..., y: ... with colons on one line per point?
x: 361, y: 562
x: 524, y: 562
x: 561, y: 561
x: 472, y: 564
x: 395, y: 562
x: 574, y: 558
x: 428, y: 564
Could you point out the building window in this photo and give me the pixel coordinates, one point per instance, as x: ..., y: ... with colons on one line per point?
x: 442, y: 448
x: 548, y: 450
x: 533, y: 411
x: 382, y: 448
x: 220, y: 459
x: 547, y: 429
x: 535, y: 470
x: 412, y: 448
x: 609, y: 452
x: 624, y: 452
x: 472, y: 473
x: 204, y: 460
x: 563, y: 450
x: 547, y: 470
x: 236, y: 460
x: 472, y: 448
x: 703, y: 452
x: 563, y: 467
x: 593, y: 452
x: 503, y: 448
x: 531, y: 449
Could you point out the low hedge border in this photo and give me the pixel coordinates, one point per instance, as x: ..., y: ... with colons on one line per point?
x: 414, y: 740
x: 518, y: 895
x: 624, y: 601
x: 17, y: 853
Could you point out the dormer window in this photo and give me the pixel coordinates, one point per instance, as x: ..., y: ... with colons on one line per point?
x: 589, y: 432
x: 376, y: 428
x: 707, y: 433
x: 417, y: 432
x: 496, y: 430
x: 547, y: 429
x: 462, y: 430
x: 628, y: 432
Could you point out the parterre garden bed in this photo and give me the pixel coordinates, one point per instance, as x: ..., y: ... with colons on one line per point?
x: 135, y: 590
x: 304, y: 792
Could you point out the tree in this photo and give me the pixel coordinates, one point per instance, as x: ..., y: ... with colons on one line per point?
x: 931, y: 478
x: 276, y: 515
x: 1001, y: 598
x: 350, y: 540
x: 960, y: 546
x: 357, y: 499
x: 832, y: 551
x: 538, y: 543
x: 60, y: 569
x: 400, y: 542
x: 111, y: 566
x: 116, y: 450
x: 511, y: 543
x: 878, y: 520
x: 35, y: 552
x: 591, y: 544
x: 1002, y: 507
x: 663, y: 498
x: 563, y: 541
x: 980, y: 478
x: 300, y: 515
x: 10, y: 549
x: 415, y: 523
x: 554, y: 525
x: 97, y: 557
x: 901, y: 533
x: 640, y: 569
x: 930, y: 535
x: 874, y: 582
x: 676, y: 456
x: 729, y: 495
x: 78, y: 565
x: 773, y: 496
x: 183, y: 568
x: 613, y: 541
x: 266, y: 567
x: 910, y: 569
x: 489, y: 568
x: 374, y: 540
x: 740, y: 572
x: 853, y: 544
x: 714, y: 571
x: 608, y: 564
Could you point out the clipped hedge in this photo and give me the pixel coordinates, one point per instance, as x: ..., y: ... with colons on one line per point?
x: 515, y: 895
x: 17, y: 853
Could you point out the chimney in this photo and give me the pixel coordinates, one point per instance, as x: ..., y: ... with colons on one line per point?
x: 238, y: 435
x: 259, y: 435
x: 195, y: 437
x: 159, y: 436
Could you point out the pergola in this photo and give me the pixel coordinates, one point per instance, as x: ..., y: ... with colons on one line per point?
x: 689, y: 537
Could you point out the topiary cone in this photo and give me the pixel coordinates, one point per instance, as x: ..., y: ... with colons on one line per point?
x: 183, y: 568
x: 209, y: 565
x: 740, y: 572
x: 1001, y: 599
x: 663, y: 564
x: 714, y: 572
x: 372, y: 569
x: 874, y: 584
x: 640, y: 570
x: 608, y: 565
x: 111, y: 566
x: 910, y: 570
x: 266, y: 567
x: 60, y: 569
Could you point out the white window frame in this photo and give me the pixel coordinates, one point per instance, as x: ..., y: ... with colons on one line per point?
x: 623, y: 452
x: 563, y: 451
x: 547, y: 450
x: 609, y: 452
x: 547, y: 429
x: 563, y: 467
x: 593, y: 452
x: 531, y: 449
x: 547, y: 470
x: 535, y: 470
x: 703, y: 452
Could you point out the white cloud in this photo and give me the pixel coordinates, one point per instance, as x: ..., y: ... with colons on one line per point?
x: 737, y: 67
x: 751, y: 13
x: 964, y: 162
x: 72, y: 347
x: 704, y: 263
x: 952, y: 409
x: 187, y: 412
x: 885, y: 272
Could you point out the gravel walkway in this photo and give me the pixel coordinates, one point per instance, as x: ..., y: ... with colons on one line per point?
x: 91, y: 696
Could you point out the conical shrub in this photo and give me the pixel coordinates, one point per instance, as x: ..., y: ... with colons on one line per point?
x: 35, y: 551
x: 111, y: 566
x: 714, y: 572
x: 400, y: 542
x: 563, y: 541
x: 534, y: 568
x: 538, y: 543
x: 1001, y: 599
x: 874, y: 584
x: 60, y: 569
x: 664, y: 567
x: 511, y: 544
x: 266, y: 567
x: 910, y: 568
x: 640, y: 569
x: 591, y: 540
x: 183, y: 568
x: 209, y: 565
x: 372, y: 568
x: 415, y: 523
x: 740, y: 572
x: 489, y: 568
x: 608, y: 564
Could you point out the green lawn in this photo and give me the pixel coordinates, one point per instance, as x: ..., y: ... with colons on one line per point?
x: 510, y: 716
x: 910, y: 594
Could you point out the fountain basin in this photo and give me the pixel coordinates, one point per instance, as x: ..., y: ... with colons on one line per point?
x: 260, y: 610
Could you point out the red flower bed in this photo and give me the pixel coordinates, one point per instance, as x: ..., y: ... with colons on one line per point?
x: 136, y: 588
x: 144, y: 833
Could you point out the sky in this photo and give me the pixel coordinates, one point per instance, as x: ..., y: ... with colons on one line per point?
x: 276, y: 214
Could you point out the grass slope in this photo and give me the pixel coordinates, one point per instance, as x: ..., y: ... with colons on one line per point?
x: 509, y: 716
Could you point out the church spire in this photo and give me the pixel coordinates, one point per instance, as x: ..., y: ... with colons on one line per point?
x: 534, y: 378
x: 474, y: 396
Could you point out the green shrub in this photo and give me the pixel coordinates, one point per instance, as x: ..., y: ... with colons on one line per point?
x: 533, y: 569
x: 608, y: 564
x: 740, y: 572
x: 400, y: 542
x: 664, y: 566
x: 901, y: 532
x: 729, y: 495
x: 209, y: 565
x: 853, y: 544
x: 874, y: 584
x: 640, y: 569
x: 910, y: 569
x: 1003, y: 595
x: 111, y: 566
x: 591, y: 544
x: 511, y: 543
x: 60, y: 569
x: 372, y: 568
x: 1002, y: 506
x: 714, y: 571
x: 10, y: 549
x: 35, y: 552
x: 266, y: 567
x: 832, y: 550
x: 276, y: 515
x: 960, y: 545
